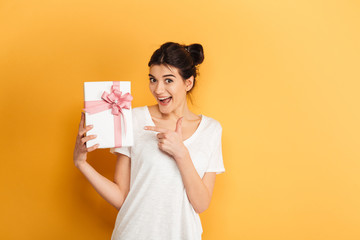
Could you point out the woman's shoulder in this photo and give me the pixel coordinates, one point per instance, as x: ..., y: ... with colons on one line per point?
x: 138, y: 110
x: 139, y: 114
x: 139, y: 118
x: 211, y: 124
x: 210, y: 131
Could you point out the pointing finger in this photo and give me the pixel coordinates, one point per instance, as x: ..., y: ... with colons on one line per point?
x: 156, y: 129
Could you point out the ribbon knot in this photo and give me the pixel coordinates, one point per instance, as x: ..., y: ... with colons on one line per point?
x: 116, y: 100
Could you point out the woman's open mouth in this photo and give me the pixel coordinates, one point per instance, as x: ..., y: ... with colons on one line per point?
x: 164, y: 101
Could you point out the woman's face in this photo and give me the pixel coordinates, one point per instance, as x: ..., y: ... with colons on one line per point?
x: 168, y: 87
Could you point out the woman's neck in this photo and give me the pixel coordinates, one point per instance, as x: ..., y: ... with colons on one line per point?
x: 182, y: 111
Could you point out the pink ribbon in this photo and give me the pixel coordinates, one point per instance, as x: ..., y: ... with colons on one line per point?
x: 116, y: 102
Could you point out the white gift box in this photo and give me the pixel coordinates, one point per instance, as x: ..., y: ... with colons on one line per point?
x: 112, y: 122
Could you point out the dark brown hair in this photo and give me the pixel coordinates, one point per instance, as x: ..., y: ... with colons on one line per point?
x: 184, y: 58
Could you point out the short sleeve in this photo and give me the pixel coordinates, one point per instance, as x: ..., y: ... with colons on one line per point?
x: 216, y: 163
x: 123, y: 150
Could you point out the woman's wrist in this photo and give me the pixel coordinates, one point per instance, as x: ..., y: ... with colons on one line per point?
x: 79, y: 165
x: 184, y: 154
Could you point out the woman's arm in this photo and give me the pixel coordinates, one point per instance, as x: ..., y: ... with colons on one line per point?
x: 199, y: 191
x: 113, y: 192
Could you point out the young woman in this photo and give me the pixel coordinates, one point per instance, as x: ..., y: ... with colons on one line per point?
x: 166, y: 178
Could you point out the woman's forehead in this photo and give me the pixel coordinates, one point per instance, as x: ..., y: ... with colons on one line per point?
x: 163, y: 69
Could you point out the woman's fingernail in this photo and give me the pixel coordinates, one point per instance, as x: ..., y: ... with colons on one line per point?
x: 145, y: 128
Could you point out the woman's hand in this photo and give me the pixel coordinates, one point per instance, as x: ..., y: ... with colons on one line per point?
x: 170, y: 141
x: 80, y: 151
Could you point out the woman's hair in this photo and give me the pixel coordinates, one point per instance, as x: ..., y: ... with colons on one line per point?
x: 184, y: 58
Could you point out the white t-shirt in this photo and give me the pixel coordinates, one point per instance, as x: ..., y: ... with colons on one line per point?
x: 157, y: 206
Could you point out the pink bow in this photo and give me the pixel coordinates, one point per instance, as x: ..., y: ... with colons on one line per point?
x: 114, y: 101
x: 117, y: 101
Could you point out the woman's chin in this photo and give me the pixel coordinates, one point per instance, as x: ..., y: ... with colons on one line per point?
x: 165, y: 109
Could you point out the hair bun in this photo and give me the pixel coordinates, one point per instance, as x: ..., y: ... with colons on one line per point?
x: 196, y: 52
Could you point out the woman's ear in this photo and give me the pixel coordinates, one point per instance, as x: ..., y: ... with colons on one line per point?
x: 189, y: 83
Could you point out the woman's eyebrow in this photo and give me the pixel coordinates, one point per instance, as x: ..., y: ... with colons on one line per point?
x: 167, y: 75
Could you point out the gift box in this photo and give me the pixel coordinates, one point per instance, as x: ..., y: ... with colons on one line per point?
x: 107, y: 107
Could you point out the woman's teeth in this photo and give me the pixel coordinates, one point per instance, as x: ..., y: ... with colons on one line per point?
x: 165, y: 100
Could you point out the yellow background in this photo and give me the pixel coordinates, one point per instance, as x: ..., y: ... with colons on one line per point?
x: 282, y: 77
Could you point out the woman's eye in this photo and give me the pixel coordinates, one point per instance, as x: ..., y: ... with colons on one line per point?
x: 169, y: 80
x: 152, y: 80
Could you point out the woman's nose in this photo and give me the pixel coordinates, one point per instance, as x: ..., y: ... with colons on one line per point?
x: 159, y: 88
